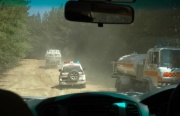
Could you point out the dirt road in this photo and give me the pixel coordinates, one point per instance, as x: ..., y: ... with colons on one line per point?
x: 31, y: 78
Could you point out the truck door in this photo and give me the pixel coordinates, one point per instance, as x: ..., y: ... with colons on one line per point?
x: 151, y: 66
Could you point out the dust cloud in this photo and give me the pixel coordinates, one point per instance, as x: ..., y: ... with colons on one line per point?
x: 95, y: 48
x: 31, y: 78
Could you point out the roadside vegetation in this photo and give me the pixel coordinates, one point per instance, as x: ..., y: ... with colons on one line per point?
x: 14, y: 34
x: 24, y: 36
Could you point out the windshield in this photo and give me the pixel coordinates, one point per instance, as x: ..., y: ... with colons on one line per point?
x: 170, y: 58
x: 29, y: 28
x: 71, y: 68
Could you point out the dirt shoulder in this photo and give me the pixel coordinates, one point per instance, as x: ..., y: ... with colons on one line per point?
x: 31, y: 78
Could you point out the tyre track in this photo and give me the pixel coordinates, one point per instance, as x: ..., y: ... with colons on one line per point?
x: 31, y: 78
x: 45, y: 78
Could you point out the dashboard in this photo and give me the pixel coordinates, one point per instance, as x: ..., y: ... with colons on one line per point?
x: 157, y: 100
x: 88, y: 104
x: 153, y: 103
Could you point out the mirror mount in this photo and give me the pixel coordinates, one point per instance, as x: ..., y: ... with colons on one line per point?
x: 100, y: 24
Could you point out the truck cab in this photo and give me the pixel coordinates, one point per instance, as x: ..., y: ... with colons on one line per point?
x: 162, y: 65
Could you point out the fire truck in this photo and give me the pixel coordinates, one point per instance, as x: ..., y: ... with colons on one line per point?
x: 52, y: 57
x: 144, y: 72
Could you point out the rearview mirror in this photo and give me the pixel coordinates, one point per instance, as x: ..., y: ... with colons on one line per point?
x: 98, y: 12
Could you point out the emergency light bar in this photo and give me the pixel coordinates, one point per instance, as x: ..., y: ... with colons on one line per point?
x: 76, y: 62
x: 66, y: 62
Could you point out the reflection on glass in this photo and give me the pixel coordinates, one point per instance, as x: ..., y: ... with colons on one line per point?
x: 170, y: 58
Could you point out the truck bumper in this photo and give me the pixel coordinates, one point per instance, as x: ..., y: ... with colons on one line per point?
x: 173, y: 80
x: 52, y: 62
x: 72, y: 83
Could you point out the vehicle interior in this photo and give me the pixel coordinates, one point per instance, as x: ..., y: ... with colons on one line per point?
x: 163, y: 101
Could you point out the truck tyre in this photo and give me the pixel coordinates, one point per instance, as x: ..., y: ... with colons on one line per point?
x: 61, y: 87
x: 118, y: 81
x: 146, y: 86
x: 73, y: 76
x: 123, y: 88
x: 47, y: 64
x: 123, y: 84
x: 83, y: 86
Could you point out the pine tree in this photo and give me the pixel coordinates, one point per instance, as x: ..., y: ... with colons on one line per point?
x: 13, y: 32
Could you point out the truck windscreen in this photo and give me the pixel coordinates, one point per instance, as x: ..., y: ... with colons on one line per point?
x: 170, y: 58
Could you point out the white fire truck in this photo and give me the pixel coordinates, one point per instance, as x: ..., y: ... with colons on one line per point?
x: 52, y: 57
x: 143, y: 72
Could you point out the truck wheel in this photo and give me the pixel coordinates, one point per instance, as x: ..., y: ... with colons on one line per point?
x: 47, y: 64
x: 61, y: 87
x: 73, y: 76
x: 83, y: 86
x: 145, y: 86
x: 123, y: 88
x: 118, y: 82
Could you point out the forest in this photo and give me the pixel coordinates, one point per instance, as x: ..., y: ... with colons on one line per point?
x: 24, y: 36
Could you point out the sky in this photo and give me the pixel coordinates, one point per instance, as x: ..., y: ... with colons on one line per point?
x: 43, y: 6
